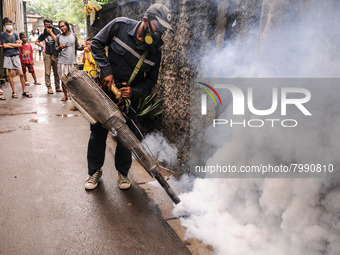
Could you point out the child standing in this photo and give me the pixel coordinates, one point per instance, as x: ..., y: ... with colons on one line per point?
x: 11, y: 43
x: 26, y: 58
x: 90, y: 64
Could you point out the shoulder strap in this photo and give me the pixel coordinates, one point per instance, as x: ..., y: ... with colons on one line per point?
x: 137, y: 68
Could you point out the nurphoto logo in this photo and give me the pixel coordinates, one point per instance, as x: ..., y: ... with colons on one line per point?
x: 281, y: 98
x: 204, y: 97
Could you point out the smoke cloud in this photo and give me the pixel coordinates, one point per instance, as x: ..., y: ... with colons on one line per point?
x: 274, y: 216
x: 268, y: 216
x: 161, y: 149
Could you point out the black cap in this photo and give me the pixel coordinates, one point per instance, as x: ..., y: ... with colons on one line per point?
x: 162, y: 14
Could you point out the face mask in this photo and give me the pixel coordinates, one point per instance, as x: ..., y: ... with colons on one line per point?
x: 9, y: 28
x: 151, y: 38
x: 36, y: 31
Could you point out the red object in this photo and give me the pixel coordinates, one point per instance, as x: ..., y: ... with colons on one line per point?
x: 29, y: 67
x: 207, y: 85
x: 26, y: 53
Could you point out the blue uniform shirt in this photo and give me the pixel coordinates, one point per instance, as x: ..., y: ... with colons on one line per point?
x: 123, y: 54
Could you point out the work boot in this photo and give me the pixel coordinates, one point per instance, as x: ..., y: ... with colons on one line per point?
x: 92, y: 181
x: 123, y: 182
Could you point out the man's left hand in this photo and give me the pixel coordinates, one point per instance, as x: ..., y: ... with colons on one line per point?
x: 126, y: 92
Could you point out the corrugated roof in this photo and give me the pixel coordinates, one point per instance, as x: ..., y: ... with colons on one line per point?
x: 34, y: 16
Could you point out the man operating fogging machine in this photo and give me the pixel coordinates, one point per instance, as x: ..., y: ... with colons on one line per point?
x: 132, y: 65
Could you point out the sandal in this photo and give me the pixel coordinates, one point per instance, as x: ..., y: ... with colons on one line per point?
x: 59, y: 90
x: 50, y: 91
x: 27, y: 83
x: 37, y: 83
x: 15, y: 95
x: 27, y: 94
x: 2, y: 98
x: 64, y: 98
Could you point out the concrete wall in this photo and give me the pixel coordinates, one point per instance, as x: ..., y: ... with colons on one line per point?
x: 196, y: 24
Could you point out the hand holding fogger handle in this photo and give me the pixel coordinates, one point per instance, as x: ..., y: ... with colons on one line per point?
x: 116, y: 91
x: 99, y: 107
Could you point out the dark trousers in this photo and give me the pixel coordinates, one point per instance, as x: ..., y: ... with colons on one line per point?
x: 96, y: 150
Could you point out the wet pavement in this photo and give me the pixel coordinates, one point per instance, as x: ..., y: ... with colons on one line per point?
x: 44, y: 207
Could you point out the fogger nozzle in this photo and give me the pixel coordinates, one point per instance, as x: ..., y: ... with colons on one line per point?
x: 96, y: 104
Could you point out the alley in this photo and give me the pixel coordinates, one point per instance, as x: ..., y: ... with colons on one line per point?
x: 44, y: 207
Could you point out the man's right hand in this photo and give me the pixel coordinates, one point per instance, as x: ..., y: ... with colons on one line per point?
x: 108, y: 81
x: 48, y: 30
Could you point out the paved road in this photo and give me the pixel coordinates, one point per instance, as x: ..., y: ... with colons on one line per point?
x: 44, y: 208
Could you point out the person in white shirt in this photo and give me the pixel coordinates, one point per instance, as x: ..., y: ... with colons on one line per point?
x: 32, y: 39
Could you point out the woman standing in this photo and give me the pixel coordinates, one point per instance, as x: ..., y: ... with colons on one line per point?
x: 33, y: 38
x: 39, y: 49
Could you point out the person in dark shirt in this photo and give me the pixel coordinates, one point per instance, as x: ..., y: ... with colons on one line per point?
x: 127, y: 40
x: 11, y: 43
x: 50, y: 55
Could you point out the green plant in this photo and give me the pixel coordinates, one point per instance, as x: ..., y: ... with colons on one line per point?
x: 148, y: 107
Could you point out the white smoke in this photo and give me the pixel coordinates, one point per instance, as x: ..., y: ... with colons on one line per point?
x: 161, y: 149
x: 280, y: 216
x: 275, y: 216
